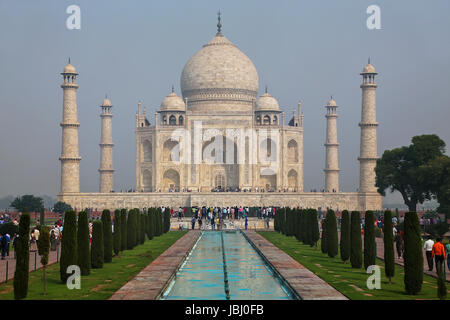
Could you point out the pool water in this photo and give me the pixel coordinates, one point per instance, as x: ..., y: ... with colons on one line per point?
x: 223, y: 265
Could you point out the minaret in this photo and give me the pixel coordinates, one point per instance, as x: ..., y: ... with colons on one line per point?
x: 70, y: 159
x: 331, y: 149
x: 106, y: 148
x: 368, y: 147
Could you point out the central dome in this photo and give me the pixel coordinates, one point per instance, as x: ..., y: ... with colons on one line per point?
x: 219, y: 72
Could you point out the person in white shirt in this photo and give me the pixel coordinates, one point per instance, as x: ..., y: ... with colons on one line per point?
x: 428, y: 246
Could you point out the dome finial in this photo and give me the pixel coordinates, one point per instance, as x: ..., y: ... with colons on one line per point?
x: 368, y: 61
x: 69, y: 60
x: 266, y: 88
x: 219, y: 24
x: 172, y: 89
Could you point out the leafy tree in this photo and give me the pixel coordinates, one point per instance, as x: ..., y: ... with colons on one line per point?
x: 22, y: 258
x: 370, y: 249
x: 389, y: 257
x: 43, y: 250
x: 97, y: 249
x: 107, y: 236
x: 435, y: 174
x: 28, y: 203
x: 344, y: 245
x: 84, y: 257
x: 413, y: 257
x: 355, y: 240
x: 117, y: 232
x: 61, y: 207
x: 399, y: 169
x: 332, y: 234
x: 68, y: 245
x: 123, y: 229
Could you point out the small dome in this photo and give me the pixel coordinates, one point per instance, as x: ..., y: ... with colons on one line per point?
x: 369, y: 69
x: 173, y: 102
x: 267, y: 102
x: 106, y: 103
x: 69, y: 69
x: 331, y: 103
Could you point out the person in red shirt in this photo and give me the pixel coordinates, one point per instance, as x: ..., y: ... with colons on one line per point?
x: 438, y: 253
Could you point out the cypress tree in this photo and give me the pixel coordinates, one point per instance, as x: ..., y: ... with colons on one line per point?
x: 43, y: 249
x: 123, y: 230
x: 130, y: 231
x: 332, y: 234
x: 370, y: 250
x: 345, y: 236
x: 84, y: 256
x: 97, y: 250
x: 117, y: 241
x: 388, y: 239
x: 301, y: 225
x: 355, y: 240
x: 442, y: 287
x: 324, y: 240
x: 107, y: 236
x: 144, y: 227
x: 22, y: 258
x: 150, y: 224
x: 68, y: 245
x: 135, y: 227
x: 315, y: 234
x: 413, y: 257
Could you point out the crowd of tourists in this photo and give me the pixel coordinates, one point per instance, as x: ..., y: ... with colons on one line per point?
x: 215, y: 217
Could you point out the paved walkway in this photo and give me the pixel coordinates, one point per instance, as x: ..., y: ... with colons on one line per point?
x: 153, y: 279
x: 307, y: 285
x: 380, y: 254
x: 12, y: 264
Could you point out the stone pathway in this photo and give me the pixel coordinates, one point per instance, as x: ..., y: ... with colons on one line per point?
x: 380, y: 254
x: 12, y: 264
x: 153, y: 279
x: 307, y: 285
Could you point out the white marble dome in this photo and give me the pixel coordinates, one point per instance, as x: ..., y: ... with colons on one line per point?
x: 331, y: 103
x: 106, y: 103
x: 369, y: 69
x: 69, y: 69
x: 172, y: 102
x: 219, y: 71
x: 267, y: 102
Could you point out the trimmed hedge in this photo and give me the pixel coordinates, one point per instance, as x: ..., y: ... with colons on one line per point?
x: 324, y: 240
x: 68, y: 245
x: 97, y: 249
x: 84, y: 256
x: 332, y: 234
x: 389, y: 257
x: 22, y: 258
x: 345, y: 236
x: 370, y: 248
x: 123, y: 230
x: 107, y: 236
x: 355, y: 240
x: 413, y: 257
x: 117, y: 232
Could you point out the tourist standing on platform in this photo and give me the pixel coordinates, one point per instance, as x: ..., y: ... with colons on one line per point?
x: 428, y: 246
x: 193, y: 222
x: 14, y: 243
x: 246, y: 222
x: 200, y: 223
x: 439, y: 254
x: 212, y: 223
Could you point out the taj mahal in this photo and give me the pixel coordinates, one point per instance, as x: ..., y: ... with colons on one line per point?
x: 219, y: 143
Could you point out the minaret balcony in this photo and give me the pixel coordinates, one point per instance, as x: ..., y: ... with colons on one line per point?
x: 367, y: 124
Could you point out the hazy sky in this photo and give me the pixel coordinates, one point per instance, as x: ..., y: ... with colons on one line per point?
x: 135, y: 50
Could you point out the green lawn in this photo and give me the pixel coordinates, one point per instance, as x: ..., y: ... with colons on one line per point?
x: 350, y: 282
x: 101, y: 283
